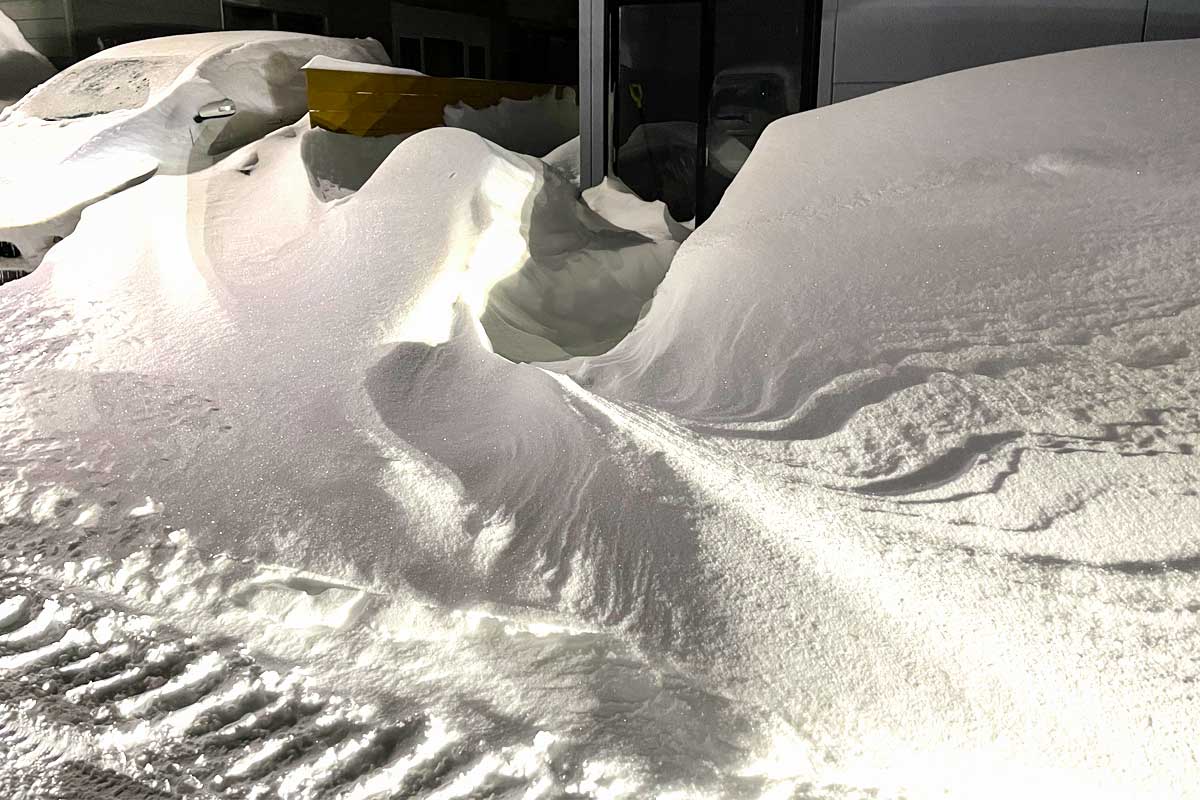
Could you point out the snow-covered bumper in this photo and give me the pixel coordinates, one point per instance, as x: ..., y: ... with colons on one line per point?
x: 39, y: 208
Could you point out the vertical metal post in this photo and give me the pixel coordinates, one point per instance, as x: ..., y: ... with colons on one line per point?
x: 826, y: 49
x: 69, y: 22
x: 593, y: 92
x: 707, y: 56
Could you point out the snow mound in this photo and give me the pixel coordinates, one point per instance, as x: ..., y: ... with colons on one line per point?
x: 921, y: 518
x: 565, y: 159
x: 1004, y: 206
x: 969, y: 307
x: 338, y: 164
x: 547, y: 276
x: 916, y: 292
x: 535, y: 127
x: 21, y: 66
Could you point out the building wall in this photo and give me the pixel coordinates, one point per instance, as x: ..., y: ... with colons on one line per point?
x: 362, y: 18
x: 44, y: 23
x: 1173, y: 19
x: 97, y: 24
x: 885, y: 43
x: 529, y: 39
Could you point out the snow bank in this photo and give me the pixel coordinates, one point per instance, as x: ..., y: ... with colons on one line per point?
x: 898, y: 471
x: 969, y: 307
x: 535, y: 126
x: 21, y: 66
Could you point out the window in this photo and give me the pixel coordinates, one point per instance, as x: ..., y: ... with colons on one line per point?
x: 655, y: 109
x: 447, y: 44
x: 694, y: 86
x: 477, y: 62
x: 408, y: 52
x: 254, y: 18
x: 444, y: 58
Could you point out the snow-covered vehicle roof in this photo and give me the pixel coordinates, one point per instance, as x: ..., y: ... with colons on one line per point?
x: 894, y: 483
x: 134, y: 110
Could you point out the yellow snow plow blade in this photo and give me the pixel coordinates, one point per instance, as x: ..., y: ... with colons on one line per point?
x: 377, y: 104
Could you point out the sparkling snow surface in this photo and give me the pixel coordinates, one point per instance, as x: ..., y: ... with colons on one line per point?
x: 892, y: 492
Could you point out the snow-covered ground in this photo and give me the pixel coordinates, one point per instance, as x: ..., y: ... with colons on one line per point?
x: 891, y: 492
x: 21, y: 66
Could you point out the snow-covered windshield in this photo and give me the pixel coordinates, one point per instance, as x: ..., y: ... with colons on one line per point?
x: 103, y: 86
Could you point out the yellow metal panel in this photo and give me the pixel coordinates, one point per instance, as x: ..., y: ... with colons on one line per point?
x: 374, y: 104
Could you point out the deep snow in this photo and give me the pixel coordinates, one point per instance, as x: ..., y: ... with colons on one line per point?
x: 535, y: 127
x: 118, y: 117
x: 891, y: 492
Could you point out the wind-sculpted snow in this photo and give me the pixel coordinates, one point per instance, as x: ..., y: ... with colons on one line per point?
x: 994, y: 266
x: 891, y: 492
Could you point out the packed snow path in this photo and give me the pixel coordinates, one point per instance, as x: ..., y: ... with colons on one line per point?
x: 891, y: 489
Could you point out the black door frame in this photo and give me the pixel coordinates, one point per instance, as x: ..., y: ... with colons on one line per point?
x: 597, y: 83
x: 598, y: 52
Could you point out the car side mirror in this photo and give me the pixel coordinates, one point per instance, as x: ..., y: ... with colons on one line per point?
x: 218, y: 109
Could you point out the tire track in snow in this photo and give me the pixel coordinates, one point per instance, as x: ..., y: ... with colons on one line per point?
x: 119, y: 700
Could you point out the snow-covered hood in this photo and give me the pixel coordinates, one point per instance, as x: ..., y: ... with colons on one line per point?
x: 206, y: 67
x: 155, y: 130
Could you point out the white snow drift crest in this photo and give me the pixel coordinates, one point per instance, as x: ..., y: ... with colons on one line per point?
x: 897, y: 472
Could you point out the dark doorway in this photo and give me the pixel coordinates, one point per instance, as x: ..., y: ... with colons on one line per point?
x: 694, y: 83
x: 656, y: 54
x: 765, y: 64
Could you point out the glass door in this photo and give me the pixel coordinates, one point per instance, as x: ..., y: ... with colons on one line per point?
x: 693, y: 84
x: 765, y: 64
x: 656, y: 100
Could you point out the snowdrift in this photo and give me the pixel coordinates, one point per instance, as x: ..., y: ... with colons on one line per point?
x: 890, y: 493
x: 21, y: 66
x: 535, y: 127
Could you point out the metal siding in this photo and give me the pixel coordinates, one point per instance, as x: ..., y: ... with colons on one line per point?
x: 593, y: 93
x: 906, y: 40
x: 829, y: 15
x: 94, y: 15
x: 44, y: 25
x: 20, y: 10
x: 1173, y: 19
x: 849, y: 91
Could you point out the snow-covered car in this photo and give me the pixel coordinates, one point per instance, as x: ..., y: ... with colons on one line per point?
x: 21, y: 66
x: 171, y: 105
